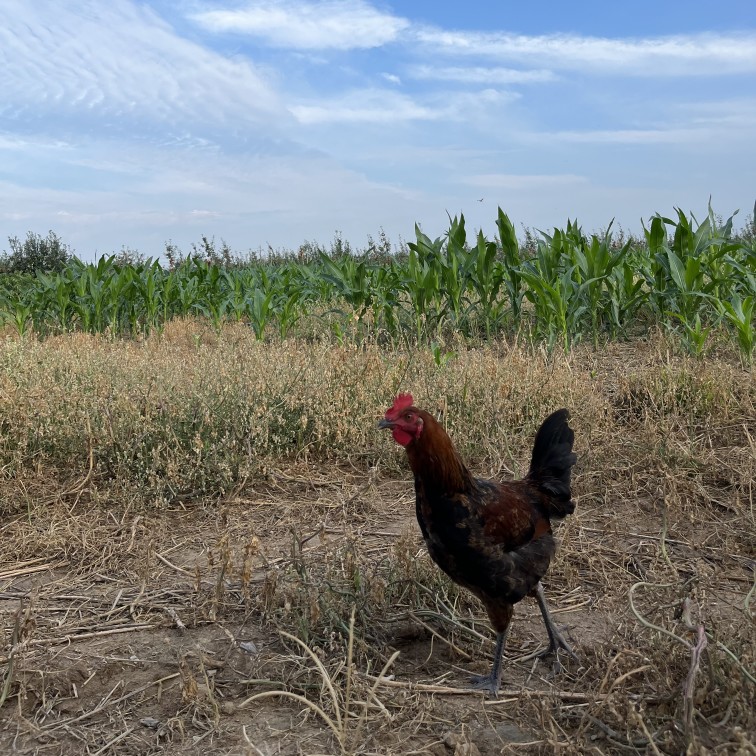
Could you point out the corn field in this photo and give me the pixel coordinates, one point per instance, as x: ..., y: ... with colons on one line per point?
x: 684, y: 276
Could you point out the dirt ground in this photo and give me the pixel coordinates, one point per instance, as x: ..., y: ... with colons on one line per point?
x: 149, y: 632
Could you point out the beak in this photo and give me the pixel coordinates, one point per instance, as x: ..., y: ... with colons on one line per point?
x: 383, y: 423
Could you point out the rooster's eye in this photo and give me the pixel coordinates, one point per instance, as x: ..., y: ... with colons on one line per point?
x: 408, y: 417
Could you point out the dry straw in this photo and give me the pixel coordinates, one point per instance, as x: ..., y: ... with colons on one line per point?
x: 189, y: 516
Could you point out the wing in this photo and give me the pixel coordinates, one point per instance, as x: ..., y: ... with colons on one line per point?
x: 511, y: 513
x: 491, y: 541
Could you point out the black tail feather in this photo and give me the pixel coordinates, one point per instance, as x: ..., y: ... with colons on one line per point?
x: 552, y: 462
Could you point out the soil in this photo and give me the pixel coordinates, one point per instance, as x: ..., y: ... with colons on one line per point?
x: 150, y: 637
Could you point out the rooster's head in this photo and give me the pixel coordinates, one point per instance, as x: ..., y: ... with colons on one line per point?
x: 404, y: 420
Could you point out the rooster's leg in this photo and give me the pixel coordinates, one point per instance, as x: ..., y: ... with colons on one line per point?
x: 490, y: 682
x: 556, y: 640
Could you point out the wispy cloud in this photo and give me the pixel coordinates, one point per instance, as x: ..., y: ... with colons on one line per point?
x: 329, y: 24
x: 365, y: 106
x: 13, y: 143
x: 701, y: 130
x: 386, y: 106
x: 482, y: 75
x: 522, y: 181
x: 248, y: 199
x: 119, y: 61
x: 679, y: 55
x: 739, y: 112
x: 628, y: 136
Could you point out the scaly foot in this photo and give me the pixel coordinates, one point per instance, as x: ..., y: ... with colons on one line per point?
x: 557, y: 643
x: 487, y: 683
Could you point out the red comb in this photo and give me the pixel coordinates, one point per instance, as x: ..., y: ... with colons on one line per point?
x: 401, y: 403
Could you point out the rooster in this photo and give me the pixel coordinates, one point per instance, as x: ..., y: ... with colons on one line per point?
x: 493, y: 538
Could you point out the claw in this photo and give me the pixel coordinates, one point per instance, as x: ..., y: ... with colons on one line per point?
x: 554, y: 648
x: 486, y: 683
x: 556, y: 644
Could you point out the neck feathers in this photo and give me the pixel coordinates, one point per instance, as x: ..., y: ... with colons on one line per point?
x: 435, y: 461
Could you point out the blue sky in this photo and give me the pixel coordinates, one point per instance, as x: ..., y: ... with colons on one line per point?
x: 132, y: 123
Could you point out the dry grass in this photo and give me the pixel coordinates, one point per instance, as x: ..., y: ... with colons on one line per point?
x: 190, y: 521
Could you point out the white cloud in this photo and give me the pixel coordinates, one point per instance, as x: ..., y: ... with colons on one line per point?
x: 248, y: 200
x: 679, y: 55
x: 715, y: 124
x: 482, y: 75
x: 120, y: 61
x: 393, y: 78
x: 365, y: 106
x: 384, y: 106
x: 522, y: 181
x: 740, y: 112
x: 329, y: 24
x: 671, y: 135
x: 627, y: 136
x: 13, y: 143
